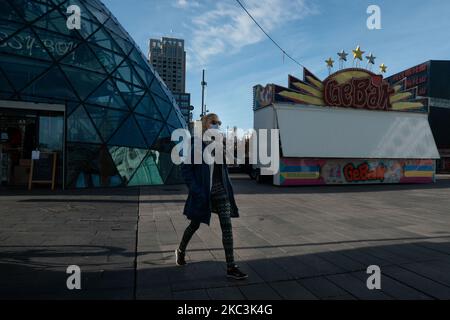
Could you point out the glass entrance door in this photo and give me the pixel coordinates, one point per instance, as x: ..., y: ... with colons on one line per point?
x: 21, y: 132
x: 51, y: 139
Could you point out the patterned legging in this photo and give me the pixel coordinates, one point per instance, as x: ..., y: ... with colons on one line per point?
x: 223, y: 207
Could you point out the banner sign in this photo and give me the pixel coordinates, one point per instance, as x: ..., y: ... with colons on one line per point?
x: 354, y: 89
x: 347, y: 88
x: 296, y: 171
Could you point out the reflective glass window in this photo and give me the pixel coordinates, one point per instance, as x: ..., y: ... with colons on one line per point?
x: 80, y: 127
x: 128, y: 135
x: 127, y: 160
x: 106, y: 120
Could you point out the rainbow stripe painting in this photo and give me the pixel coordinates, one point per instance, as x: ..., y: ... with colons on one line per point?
x: 297, y: 171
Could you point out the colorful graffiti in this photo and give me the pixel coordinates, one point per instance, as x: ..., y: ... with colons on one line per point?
x: 295, y: 171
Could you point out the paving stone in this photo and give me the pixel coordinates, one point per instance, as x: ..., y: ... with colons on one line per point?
x: 357, y: 287
x: 418, y: 282
x: 323, y: 288
x: 295, y: 243
x: 396, y: 289
x: 292, y: 290
x: 191, y: 295
x: 226, y: 293
x: 260, y: 291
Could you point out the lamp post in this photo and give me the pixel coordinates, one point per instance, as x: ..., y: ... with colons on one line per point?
x: 204, y: 84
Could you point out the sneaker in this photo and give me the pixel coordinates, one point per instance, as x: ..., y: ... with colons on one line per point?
x: 179, y: 258
x: 235, y: 273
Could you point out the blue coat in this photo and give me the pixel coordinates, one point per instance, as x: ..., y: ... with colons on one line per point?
x: 197, y: 178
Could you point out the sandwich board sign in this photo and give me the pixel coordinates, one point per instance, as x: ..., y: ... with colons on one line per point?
x: 43, y: 169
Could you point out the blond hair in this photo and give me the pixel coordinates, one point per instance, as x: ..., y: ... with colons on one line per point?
x: 206, y: 118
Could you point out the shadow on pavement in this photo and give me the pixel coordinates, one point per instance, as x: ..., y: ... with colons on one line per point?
x: 412, y: 270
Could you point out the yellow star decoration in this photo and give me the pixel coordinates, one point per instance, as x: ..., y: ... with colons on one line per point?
x: 357, y: 53
x: 383, y: 68
x: 329, y: 62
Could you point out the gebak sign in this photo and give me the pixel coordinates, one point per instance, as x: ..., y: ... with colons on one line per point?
x: 357, y: 88
x: 363, y: 173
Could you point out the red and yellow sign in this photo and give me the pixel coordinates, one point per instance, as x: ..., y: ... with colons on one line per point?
x: 356, y: 88
x: 348, y: 88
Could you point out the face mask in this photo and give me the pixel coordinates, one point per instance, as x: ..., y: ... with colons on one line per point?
x: 214, y: 126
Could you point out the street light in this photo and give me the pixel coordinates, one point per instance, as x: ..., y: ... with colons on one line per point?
x: 203, y: 84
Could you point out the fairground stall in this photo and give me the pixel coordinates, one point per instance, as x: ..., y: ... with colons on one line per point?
x: 351, y: 128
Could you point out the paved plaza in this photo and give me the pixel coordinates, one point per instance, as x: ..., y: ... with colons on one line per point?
x: 295, y: 243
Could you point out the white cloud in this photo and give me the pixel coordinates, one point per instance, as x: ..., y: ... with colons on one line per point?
x: 227, y: 28
x: 184, y: 4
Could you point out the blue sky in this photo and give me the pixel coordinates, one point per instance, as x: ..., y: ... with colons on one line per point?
x: 221, y: 38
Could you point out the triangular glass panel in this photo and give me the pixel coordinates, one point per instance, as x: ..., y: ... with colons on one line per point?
x: 57, y: 22
x: 150, y: 128
x: 113, y: 25
x: 83, y: 57
x: 165, y: 164
x: 8, y: 12
x: 90, y: 165
x: 22, y: 71
x: 98, y: 14
x: 108, y: 175
x: 125, y: 72
x: 103, y: 39
x: 148, y: 108
x: 44, y: 86
x: 127, y: 160
x: 131, y: 94
x: 174, y: 119
x: 147, y: 173
x: 57, y: 45
x: 57, y: 2
x: 163, y: 106
x: 4, y: 84
x: 80, y: 164
x: 32, y: 10
x: 70, y: 107
x: 125, y: 45
x: 145, y: 74
x: 88, y: 27
x: 8, y: 28
x: 80, y: 127
x: 137, y: 57
x: 106, y: 120
x: 83, y: 82
x: 109, y: 59
x: 108, y: 95
x: 25, y: 43
x: 128, y: 135
x: 162, y: 90
x: 164, y: 142
x: 99, y: 6
x: 88, y: 21
x: 157, y: 89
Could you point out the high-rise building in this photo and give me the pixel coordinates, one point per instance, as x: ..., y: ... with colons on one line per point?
x: 168, y: 57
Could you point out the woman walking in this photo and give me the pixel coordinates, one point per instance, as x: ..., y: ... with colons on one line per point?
x: 210, y: 190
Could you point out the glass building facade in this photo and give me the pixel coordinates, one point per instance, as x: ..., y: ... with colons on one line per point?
x: 118, y: 114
